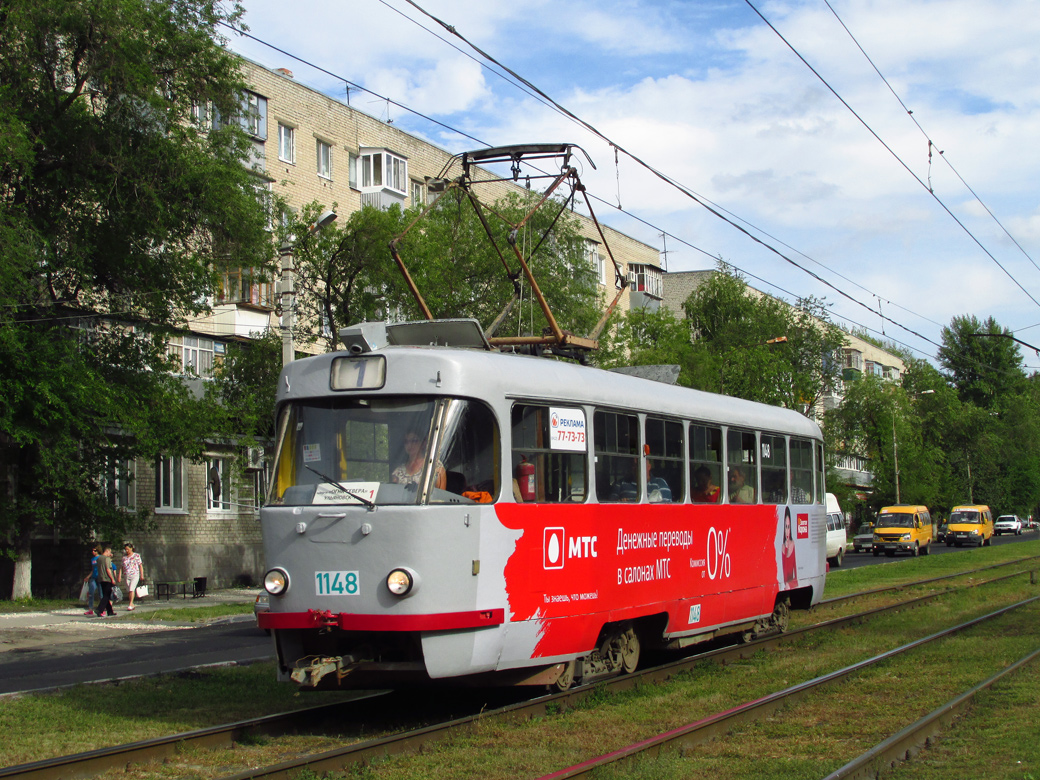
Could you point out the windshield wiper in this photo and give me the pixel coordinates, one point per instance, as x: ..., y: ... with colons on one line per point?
x: 331, y: 481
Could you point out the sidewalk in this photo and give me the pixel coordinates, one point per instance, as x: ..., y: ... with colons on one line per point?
x: 25, y: 630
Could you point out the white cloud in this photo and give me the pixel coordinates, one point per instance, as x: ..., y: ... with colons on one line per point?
x: 713, y: 98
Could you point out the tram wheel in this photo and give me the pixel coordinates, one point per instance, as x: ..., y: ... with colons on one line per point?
x: 629, y: 651
x: 566, y: 678
x: 781, y: 617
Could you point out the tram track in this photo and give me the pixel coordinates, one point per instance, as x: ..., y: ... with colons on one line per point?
x: 365, y: 752
x: 903, y: 743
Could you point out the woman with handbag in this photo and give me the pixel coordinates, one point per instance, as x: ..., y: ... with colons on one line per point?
x: 133, y: 567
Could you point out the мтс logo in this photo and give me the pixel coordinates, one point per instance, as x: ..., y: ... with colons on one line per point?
x: 552, y: 548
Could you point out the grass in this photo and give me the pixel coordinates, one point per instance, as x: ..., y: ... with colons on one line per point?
x: 91, y: 716
x: 193, y: 614
x: 816, y: 737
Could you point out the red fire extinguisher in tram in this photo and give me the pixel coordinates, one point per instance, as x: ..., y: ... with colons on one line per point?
x: 525, y: 479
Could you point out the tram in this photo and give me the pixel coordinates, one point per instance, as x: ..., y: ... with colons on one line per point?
x: 442, y: 512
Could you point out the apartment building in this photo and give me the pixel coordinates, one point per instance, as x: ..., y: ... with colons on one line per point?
x: 307, y: 147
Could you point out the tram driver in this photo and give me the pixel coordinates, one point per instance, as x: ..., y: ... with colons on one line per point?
x: 409, y: 472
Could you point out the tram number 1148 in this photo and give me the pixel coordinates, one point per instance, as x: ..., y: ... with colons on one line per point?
x: 337, y: 583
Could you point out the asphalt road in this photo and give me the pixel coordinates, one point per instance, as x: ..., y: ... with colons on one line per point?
x: 855, y: 560
x: 112, y: 654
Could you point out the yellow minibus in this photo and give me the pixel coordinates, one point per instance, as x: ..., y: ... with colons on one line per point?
x: 903, y: 528
x: 970, y: 525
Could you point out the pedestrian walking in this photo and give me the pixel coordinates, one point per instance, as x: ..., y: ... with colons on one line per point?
x: 93, y: 586
x: 108, y: 576
x: 133, y: 568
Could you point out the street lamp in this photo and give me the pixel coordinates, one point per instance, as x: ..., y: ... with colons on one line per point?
x: 288, y: 300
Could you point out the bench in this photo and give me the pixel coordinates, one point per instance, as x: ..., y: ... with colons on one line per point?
x: 196, y: 588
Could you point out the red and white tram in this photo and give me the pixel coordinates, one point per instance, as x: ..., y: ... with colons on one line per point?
x: 452, y: 513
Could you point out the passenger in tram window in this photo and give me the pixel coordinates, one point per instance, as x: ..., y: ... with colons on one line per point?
x: 409, y: 472
x: 657, y: 489
x: 625, y: 488
x: 739, y: 491
x: 773, y: 487
x: 706, y: 491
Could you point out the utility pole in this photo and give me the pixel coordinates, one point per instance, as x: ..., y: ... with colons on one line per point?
x: 288, y: 285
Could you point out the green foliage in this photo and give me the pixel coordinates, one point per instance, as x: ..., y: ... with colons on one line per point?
x: 113, y: 204
x: 244, y: 388
x: 346, y: 274
x: 736, y: 342
x: 981, y: 360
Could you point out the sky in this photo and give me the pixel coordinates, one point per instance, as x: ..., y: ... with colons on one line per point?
x: 883, y: 152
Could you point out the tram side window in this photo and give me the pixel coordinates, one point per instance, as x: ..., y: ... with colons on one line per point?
x: 617, y: 457
x: 774, y: 469
x: 469, y: 452
x: 540, y: 472
x: 820, y: 484
x: 664, y: 444
x: 742, y: 467
x: 801, y: 471
x: 705, y: 464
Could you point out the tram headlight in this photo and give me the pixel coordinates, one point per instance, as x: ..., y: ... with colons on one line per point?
x: 401, y: 582
x: 276, y: 582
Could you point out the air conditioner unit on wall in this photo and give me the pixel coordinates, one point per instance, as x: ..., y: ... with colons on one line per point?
x: 254, y: 458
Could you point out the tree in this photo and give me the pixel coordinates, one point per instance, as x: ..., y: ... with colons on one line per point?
x: 346, y: 274
x: 114, y: 201
x: 981, y: 360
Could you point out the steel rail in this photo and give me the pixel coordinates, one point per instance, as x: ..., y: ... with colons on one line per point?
x: 905, y: 744
x: 363, y: 753
x: 90, y: 763
x: 718, y: 724
x: 93, y: 762
x: 904, y: 586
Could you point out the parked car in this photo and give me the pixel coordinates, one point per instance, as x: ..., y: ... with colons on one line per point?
x: 1008, y: 524
x: 863, y: 541
x: 940, y: 532
x: 837, y: 539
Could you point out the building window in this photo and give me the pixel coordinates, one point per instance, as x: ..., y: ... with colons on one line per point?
x: 418, y: 193
x: 117, y: 483
x: 260, y: 477
x: 352, y: 165
x: 254, y: 115
x: 646, y: 279
x: 218, y: 485
x: 286, y: 143
x: 169, y: 476
x: 245, y: 286
x: 324, y: 160
x: 193, y: 355
x: 380, y: 168
x: 251, y: 116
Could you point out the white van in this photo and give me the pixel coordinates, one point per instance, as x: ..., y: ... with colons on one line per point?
x: 837, y: 541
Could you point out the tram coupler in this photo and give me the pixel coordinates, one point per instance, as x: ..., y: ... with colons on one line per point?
x: 318, y: 668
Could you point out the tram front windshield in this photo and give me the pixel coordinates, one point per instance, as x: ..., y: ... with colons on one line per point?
x: 363, y: 451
